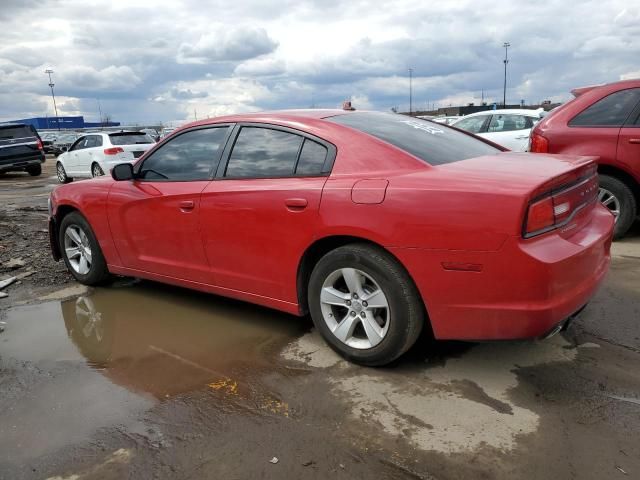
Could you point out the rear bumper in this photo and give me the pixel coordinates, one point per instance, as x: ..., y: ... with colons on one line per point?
x: 525, y: 290
x: 20, y: 164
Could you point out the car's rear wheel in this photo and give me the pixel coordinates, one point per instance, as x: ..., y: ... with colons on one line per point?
x: 618, y: 198
x: 35, y: 171
x: 81, y: 251
x: 96, y: 170
x: 62, y: 174
x: 364, y: 304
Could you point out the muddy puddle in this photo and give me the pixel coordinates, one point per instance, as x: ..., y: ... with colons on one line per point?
x: 100, y: 359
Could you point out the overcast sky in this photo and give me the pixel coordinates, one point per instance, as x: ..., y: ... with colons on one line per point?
x: 149, y: 61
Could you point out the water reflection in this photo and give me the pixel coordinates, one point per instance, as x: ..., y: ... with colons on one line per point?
x: 164, y: 341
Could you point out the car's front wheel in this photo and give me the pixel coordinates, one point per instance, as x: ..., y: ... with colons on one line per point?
x: 618, y: 198
x: 364, y: 304
x: 81, y: 251
x: 62, y: 174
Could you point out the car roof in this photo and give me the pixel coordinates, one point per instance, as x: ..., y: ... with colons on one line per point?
x: 512, y: 111
x: 272, y: 116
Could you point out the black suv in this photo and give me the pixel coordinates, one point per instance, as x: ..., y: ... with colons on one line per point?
x: 20, y: 149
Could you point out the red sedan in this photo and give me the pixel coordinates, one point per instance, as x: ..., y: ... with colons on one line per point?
x: 378, y: 225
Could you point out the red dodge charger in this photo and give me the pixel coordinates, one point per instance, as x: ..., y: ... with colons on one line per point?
x: 378, y: 225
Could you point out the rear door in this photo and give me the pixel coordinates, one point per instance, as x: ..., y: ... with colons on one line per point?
x: 509, y: 130
x: 628, y: 151
x: 260, y: 213
x: 154, y: 218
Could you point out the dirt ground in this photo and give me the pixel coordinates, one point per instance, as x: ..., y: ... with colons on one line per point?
x: 140, y: 380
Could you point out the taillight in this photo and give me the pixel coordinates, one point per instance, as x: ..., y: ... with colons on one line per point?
x: 538, y: 143
x: 558, y: 207
x: 113, y: 151
x: 40, y: 147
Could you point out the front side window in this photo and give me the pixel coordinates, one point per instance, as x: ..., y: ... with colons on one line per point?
x: 508, y: 123
x: 472, y: 124
x: 434, y: 143
x: 610, y: 111
x: 79, y: 144
x: 263, y: 152
x: 187, y: 157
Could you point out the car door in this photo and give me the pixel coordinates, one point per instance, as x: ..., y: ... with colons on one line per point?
x: 86, y: 155
x: 154, y: 218
x: 628, y: 151
x: 509, y: 130
x: 72, y: 156
x: 260, y: 213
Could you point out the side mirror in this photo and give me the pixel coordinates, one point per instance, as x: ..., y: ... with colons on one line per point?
x: 65, y: 149
x: 122, y: 171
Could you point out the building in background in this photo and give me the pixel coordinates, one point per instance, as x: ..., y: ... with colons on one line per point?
x: 72, y: 123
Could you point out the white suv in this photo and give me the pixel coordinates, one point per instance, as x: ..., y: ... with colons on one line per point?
x: 95, y: 154
x: 509, y: 128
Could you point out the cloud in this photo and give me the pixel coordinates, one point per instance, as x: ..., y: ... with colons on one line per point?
x: 227, y: 44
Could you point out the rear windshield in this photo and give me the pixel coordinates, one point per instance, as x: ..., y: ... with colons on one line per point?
x: 432, y: 142
x: 130, y: 138
x: 22, y: 131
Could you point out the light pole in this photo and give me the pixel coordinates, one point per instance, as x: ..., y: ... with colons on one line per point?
x: 506, y: 46
x: 410, y: 91
x: 48, y: 71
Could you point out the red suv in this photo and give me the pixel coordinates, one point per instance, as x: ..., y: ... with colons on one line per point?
x: 605, y: 121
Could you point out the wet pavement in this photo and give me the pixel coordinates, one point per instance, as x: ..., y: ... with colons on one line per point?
x: 141, y: 380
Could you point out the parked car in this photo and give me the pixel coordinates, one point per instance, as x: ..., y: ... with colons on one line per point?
x: 93, y: 155
x: 166, y: 132
x: 509, y: 128
x: 47, y: 141
x: 604, y: 121
x: 63, y: 141
x: 377, y: 224
x: 20, y: 149
x: 152, y: 133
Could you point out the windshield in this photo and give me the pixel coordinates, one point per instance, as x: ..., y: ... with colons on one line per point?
x: 130, y: 138
x: 432, y: 142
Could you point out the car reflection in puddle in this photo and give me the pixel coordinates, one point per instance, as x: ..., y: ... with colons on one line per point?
x: 73, y: 367
x: 164, y: 341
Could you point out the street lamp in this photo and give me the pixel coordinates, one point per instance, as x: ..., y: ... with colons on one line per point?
x: 506, y: 46
x: 410, y: 91
x: 48, y: 71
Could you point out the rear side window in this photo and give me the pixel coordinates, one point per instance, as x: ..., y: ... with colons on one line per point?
x: 610, y: 111
x: 312, y: 158
x: 432, y: 142
x: 130, y: 138
x: 187, y: 157
x: 263, y: 152
x: 9, y: 133
x: 508, y: 123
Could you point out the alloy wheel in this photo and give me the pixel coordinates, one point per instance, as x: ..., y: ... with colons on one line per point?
x: 96, y: 171
x: 609, y: 200
x: 77, y: 249
x: 355, y: 308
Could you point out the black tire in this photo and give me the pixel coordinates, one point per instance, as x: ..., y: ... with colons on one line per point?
x: 35, y: 171
x: 96, y: 170
x: 406, y: 313
x: 627, y: 201
x: 62, y: 174
x: 98, y: 273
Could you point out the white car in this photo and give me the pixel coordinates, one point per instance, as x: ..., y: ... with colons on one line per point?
x: 95, y: 154
x: 509, y: 128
